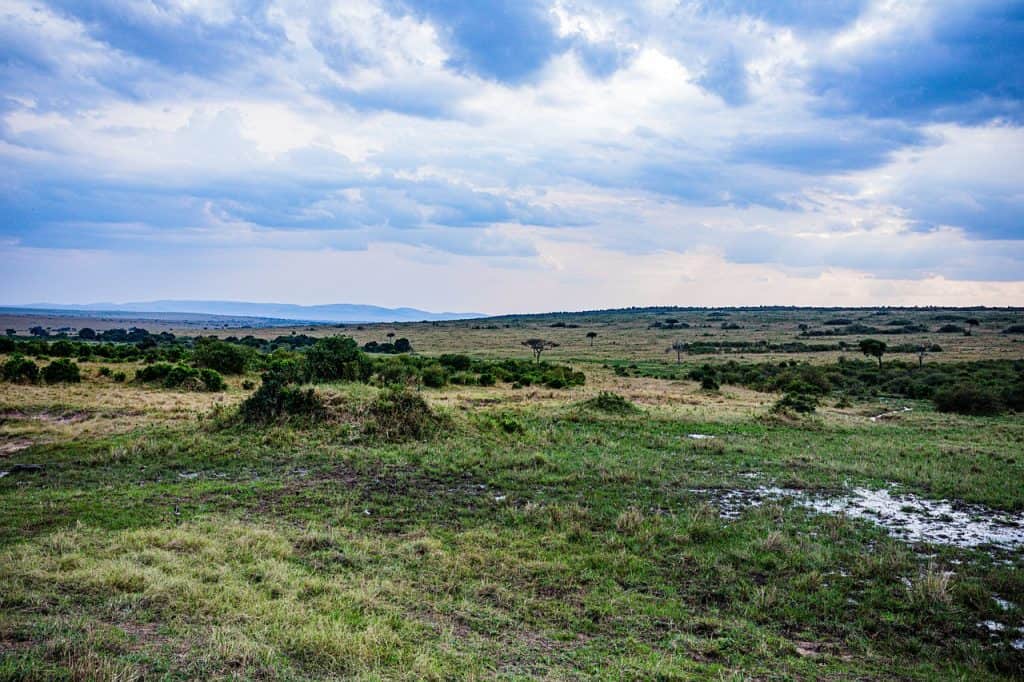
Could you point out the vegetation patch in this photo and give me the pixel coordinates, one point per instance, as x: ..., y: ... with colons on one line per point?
x: 398, y: 414
x: 612, y: 403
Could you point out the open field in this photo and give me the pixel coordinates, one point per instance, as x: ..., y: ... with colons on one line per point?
x: 533, y: 532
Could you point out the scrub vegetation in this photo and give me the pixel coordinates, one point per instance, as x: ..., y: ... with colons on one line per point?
x: 303, y: 506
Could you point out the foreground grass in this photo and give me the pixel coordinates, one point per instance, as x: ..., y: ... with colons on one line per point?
x: 529, y: 539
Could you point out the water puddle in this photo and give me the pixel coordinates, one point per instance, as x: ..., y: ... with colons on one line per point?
x: 905, y: 516
x: 893, y: 413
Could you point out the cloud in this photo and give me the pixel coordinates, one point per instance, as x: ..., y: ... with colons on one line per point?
x: 943, y: 61
x: 794, y: 139
x: 505, y: 40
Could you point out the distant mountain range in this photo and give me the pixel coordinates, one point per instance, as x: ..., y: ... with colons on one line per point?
x: 334, y: 312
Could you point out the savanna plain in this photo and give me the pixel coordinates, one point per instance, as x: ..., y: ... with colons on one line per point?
x: 632, y: 494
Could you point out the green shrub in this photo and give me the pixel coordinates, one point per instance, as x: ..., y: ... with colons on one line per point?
x: 212, y: 380
x: 709, y: 382
x: 400, y: 414
x: 435, y: 376
x: 337, y: 358
x: 969, y: 400
x: 803, y: 403
x: 487, y: 379
x: 456, y: 362
x: 105, y: 372
x: 62, y: 371
x: 613, y: 403
x: 223, y: 357
x: 20, y: 369
x: 158, y: 371
x: 120, y: 377
x: 276, y: 400
x: 464, y: 379
x: 181, y: 376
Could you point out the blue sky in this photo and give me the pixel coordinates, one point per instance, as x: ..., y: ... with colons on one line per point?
x: 513, y: 155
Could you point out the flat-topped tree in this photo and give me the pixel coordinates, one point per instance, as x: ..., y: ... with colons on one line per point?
x: 538, y: 346
x: 591, y: 336
x: 874, y: 348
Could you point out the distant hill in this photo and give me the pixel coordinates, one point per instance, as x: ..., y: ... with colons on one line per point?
x: 335, y: 312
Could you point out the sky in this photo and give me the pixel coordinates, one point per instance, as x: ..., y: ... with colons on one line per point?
x: 513, y: 155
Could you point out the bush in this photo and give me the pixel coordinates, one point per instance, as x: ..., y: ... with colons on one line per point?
x: 158, y: 371
x: 62, y: 371
x: 400, y: 414
x: 20, y: 369
x: 120, y: 377
x: 337, y: 358
x: 709, y: 382
x: 487, y: 379
x: 182, y: 376
x: 969, y: 400
x: 226, y: 358
x: 464, y: 379
x: 803, y: 403
x: 456, y: 362
x: 212, y: 380
x: 276, y: 400
x: 613, y: 403
x: 434, y: 376
x: 105, y: 372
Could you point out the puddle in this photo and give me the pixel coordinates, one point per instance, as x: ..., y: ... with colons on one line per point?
x: 893, y: 413
x: 699, y: 436
x: 905, y: 516
x: 22, y: 469
x: 1004, y: 604
x: 995, y: 628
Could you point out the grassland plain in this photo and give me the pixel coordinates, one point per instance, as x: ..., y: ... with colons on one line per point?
x: 536, y: 535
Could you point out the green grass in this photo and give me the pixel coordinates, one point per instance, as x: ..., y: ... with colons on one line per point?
x: 525, y: 540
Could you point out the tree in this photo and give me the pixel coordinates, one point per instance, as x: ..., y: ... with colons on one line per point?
x: 874, y: 348
x: 921, y: 352
x: 591, y: 336
x: 87, y: 333
x: 11, y: 332
x: 390, y: 335
x: 974, y: 322
x: 38, y: 331
x: 679, y: 347
x: 538, y: 346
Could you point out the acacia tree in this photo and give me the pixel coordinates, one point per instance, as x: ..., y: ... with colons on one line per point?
x: 679, y: 347
x: 591, y: 336
x: 874, y: 348
x: 538, y: 346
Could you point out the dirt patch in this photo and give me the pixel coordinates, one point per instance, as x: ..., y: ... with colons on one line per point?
x: 47, y: 417
x: 11, y: 447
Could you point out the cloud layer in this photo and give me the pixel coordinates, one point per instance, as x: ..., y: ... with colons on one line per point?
x: 872, y: 143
